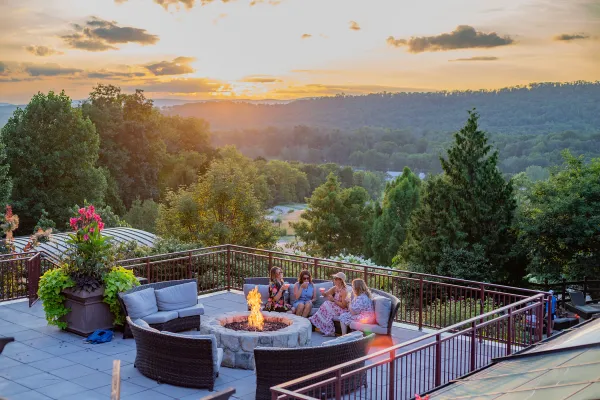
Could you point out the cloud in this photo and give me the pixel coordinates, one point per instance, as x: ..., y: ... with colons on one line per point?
x: 42, y: 51
x: 2, y: 67
x: 101, y: 35
x: 104, y: 74
x: 463, y: 37
x: 476, y: 59
x: 567, y: 37
x: 190, y: 85
x: 178, y: 66
x: 306, y: 36
x: 354, y: 26
x: 49, y: 70
x: 189, y: 4
x: 318, y: 89
x: 261, y: 79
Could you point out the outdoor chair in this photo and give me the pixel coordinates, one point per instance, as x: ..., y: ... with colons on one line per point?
x: 4, y: 342
x: 579, y: 306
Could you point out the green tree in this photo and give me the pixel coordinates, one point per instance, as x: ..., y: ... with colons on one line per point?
x: 286, y: 183
x: 391, y: 226
x: 469, y: 209
x: 336, y: 220
x: 52, y: 152
x: 143, y: 215
x: 560, y: 220
x: 5, y: 181
x: 221, y: 208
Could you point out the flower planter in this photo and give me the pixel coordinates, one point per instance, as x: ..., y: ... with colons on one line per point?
x: 88, y: 311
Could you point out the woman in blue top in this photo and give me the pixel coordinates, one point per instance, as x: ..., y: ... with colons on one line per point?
x: 305, y: 293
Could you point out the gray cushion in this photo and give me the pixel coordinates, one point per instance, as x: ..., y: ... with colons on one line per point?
x: 198, y: 309
x: 161, y: 317
x: 382, y: 306
x: 219, y: 359
x: 368, y: 328
x: 140, y: 322
x: 320, y: 300
x: 177, y: 297
x: 262, y: 289
x: 140, y: 303
x: 350, y: 337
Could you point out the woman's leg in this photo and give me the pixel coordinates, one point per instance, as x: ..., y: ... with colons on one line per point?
x: 300, y: 309
x: 344, y: 328
x: 307, y: 308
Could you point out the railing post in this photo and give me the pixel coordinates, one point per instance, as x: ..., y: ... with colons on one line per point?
x: 270, y: 263
x: 274, y: 395
x: 473, y: 345
x: 540, y: 320
x: 316, y: 267
x: 549, y: 322
x: 420, y: 303
x: 338, y: 384
x: 481, y: 299
x: 564, y: 293
x: 509, y: 333
x: 392, y: 375
x: 190, y: 265
x: 228, y: 268
x: 366, y: 276
x: 148, y: 271
x: 585, y: 278
x: 438, y: 360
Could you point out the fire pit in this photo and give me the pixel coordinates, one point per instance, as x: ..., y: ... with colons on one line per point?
x: 238, y: 334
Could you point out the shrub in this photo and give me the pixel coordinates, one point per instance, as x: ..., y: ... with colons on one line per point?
x: 52, y: 283
x: 117, y: 280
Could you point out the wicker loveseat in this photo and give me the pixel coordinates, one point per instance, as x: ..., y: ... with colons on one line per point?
x: 279, y: 365
x: 182, y: 359
x: 177, y: 320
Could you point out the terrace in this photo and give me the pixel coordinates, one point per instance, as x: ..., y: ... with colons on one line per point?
x: 445, y: 328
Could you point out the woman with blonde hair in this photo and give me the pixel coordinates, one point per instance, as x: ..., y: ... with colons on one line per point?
x: 277, y: 287
x: 336, y: 304
x: 361, y: 307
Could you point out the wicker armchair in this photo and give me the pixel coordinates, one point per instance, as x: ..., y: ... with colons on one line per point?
x: 175, y: 359
x: 4, y: 341
x: 276, y: 365
x: 174, y: 325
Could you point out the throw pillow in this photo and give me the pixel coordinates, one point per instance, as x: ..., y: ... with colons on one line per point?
x: 382, y: 307
x: 176, y: 297
x: 140, y: 303
x: 350, y: 337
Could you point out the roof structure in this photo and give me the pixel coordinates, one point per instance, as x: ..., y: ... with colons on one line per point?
x: 566, y: 366
x: 57, y: 245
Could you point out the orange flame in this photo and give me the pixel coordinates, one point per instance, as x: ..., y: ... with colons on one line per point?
x: 255, y: 319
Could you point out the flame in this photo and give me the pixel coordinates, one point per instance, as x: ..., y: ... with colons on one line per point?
x: 255, y: 319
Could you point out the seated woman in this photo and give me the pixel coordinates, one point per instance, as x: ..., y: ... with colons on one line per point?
x: 277, y: 288
x: 336, y: 304
x: 305, y: 292
x: 361, y: 307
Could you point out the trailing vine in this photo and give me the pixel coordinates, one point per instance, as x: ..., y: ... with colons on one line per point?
x: 117, y: 280
x: 52, y: 283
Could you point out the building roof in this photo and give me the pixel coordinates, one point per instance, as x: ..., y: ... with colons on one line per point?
x: 57, y: 245
x: 564, y: 367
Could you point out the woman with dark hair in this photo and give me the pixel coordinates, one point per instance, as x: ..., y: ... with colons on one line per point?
x: 277, y: 288
x: 305, y: 293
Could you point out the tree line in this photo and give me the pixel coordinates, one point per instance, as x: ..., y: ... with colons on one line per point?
x: 469, y: 221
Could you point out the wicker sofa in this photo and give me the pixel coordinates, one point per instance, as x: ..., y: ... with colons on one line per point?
x: 274, y: 365
x: 182, y: 359
x: 175, y: 320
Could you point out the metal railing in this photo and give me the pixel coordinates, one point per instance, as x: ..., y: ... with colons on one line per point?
x: 20, y: 274
x: 420, y: 365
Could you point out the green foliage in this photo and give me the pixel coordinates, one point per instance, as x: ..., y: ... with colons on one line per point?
x: 117, y: 280
x: 5, y: 180
x: 336, y: 220
x: 286, y: 183
x: 44, y: 223
x: 221, y: 208
x: 560, y: 219
x: 142, y: 215
x: 447, y: 312
x: 52, y: 283
x: 52, y: 151
x: 390, y: 227
x: 469, y: 209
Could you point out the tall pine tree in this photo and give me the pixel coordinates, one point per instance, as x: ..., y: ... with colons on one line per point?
x: 5, y: 181
x: 463, y: 226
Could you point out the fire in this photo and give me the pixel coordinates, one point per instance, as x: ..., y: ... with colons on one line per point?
x: 255, y: 319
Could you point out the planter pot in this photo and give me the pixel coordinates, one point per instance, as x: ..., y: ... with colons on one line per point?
x: 88, y: 311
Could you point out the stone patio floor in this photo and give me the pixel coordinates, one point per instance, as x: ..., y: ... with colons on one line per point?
x: 47, y: 363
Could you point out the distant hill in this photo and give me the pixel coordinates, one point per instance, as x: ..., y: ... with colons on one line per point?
x: 537, y: 108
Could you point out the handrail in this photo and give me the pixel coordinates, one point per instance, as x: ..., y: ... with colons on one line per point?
x: 393, y: 348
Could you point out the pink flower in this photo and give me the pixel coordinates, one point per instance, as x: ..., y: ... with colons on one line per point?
x: 86, y: 237
x: 100, y: 225
x: 81, y: 211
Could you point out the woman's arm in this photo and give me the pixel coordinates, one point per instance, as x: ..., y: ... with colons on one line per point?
x: 314, y: 297
x: 297, y: 290
x: 278, y: 294
x: 343, y: 303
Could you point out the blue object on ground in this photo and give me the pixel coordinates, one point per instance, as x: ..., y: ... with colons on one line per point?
x: 100, y: 336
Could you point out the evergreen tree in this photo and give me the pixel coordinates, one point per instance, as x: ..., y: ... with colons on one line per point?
x: 390, y: 227
x: 52, y: 152
x: 5, y: 181
x: 463, y: 226
x: 336, y: 220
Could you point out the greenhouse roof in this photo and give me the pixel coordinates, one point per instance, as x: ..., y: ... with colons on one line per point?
x: 57, y: 245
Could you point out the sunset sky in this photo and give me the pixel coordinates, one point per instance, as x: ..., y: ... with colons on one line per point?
x: 284, y: 49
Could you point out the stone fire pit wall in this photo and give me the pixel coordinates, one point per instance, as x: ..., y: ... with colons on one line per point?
x: 238, y: 346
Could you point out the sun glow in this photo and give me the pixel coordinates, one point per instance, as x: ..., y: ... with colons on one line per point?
x: 255, y: 319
